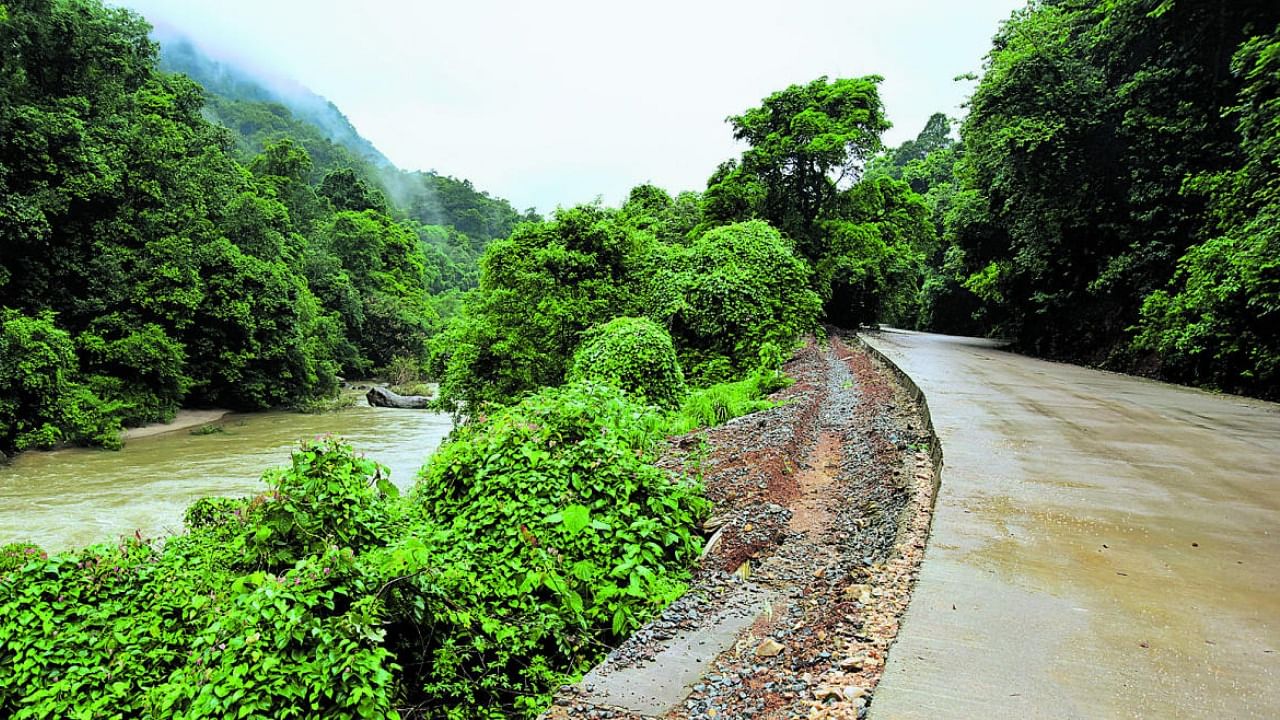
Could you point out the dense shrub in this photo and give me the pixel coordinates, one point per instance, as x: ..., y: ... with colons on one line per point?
x: 327, y: 497
x: 141, y: 368
x: 539, y: 291
x: 41, y: 404
x: 562, y: 537
x: 634, y: 355
x: 15, y: 555
x: 1218, y: 322
x: 195, y: 628
x: 727, y: 294
x: 536, y: 538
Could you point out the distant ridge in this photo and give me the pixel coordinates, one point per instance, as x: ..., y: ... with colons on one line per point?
x: 260, y: 107
x: 179, y: 53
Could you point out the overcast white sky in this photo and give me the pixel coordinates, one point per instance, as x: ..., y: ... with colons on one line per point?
x: 559, y: 102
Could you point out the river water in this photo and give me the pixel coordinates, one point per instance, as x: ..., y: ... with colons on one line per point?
x: 69, y: 498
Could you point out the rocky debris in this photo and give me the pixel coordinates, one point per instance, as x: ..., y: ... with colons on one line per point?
x: 379, y: 396
x: 825, y: 502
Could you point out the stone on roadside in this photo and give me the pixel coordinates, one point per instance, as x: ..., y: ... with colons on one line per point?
x: 769, y: 648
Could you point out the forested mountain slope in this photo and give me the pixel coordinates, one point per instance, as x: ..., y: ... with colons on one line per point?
x: 152, y: 258
x: 261, y: 110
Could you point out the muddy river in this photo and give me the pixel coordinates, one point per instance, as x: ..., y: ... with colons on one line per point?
x: 69, y: 498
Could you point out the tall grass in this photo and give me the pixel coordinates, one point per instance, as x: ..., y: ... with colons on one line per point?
x: 718, y: 404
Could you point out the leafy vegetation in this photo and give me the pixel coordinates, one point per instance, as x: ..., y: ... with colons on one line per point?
x: 563, y: 539
x: 722, y: 296
x: 535, y: 538
x: 634, y: 355
x: 1113, y: 197
x: 865, y: 238
x: 1219, y: 321
x: 155, y: 259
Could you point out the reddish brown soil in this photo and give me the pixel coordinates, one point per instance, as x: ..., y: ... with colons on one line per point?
x: 825, y: 501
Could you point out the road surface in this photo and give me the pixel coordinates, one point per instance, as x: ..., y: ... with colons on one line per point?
x: 1104, y: 546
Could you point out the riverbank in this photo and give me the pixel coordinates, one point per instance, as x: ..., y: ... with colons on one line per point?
x: 184, y: 420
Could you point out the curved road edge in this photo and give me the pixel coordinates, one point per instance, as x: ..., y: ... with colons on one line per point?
x: 1103, y: 546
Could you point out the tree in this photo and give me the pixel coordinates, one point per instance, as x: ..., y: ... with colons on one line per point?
x: 874, y: 261
x: 41, y: 404
x: 935, y: 137
x: 1080, y: 135
x: 726, y: 295
x: 806, y: 143
x: 803, y: 173
x: 539, y: 291
x: 348, y: 191
x: 1219, y: 320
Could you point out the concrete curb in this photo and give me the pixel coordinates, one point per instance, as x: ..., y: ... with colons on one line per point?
x: 935, y: 445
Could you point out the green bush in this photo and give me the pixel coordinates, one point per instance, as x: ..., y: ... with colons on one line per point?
x: 213, y: 512
x: 41, y: 402
x: 562, y: 538
x: 195, y: 627
x: 539, y: 291
x: 142, y: 368
x: 634, y: 355
x: 727, y: 294
x: 328, y: 496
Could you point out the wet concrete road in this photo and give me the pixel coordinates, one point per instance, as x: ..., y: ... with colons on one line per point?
x: 1103, y: 547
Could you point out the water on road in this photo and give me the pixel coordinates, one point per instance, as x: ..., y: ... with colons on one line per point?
x: 75, y: 497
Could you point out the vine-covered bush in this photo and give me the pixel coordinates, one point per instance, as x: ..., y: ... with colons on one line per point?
x: 540, y: 289
x: 182, y: 629
x: 534, y: 540
x: 727, y: 294
x: 634, y: 355
x: 561, y: 537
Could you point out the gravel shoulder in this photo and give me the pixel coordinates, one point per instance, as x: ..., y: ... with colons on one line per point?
x: 822, y: 509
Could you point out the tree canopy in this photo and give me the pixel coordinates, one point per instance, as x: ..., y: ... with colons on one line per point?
x: 1111, y: 204
x: 188, y: 262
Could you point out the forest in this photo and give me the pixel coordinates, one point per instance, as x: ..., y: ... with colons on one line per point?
x: 1112, y: 197
x: 155, y: 259
x: 174, y: 235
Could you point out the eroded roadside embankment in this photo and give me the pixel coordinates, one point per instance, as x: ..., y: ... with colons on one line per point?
x: 822, y: 511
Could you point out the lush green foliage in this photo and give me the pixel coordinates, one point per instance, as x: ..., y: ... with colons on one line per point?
x: 726, y: 295
x: 1221, y: 322
x: 722, y: 402
x: 938, y: 298
x: 41, y: 404
x: 723, y: 295
x: 634, y: 355
x: 1105, y: 196
x: 805, y: 141
x: 535, y: 538
x: 264, y: 610
x: 189, y: 263
x: 875, y: 254
x: 866, y: 238
x: 540, y: 289
x: 560, y: 539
